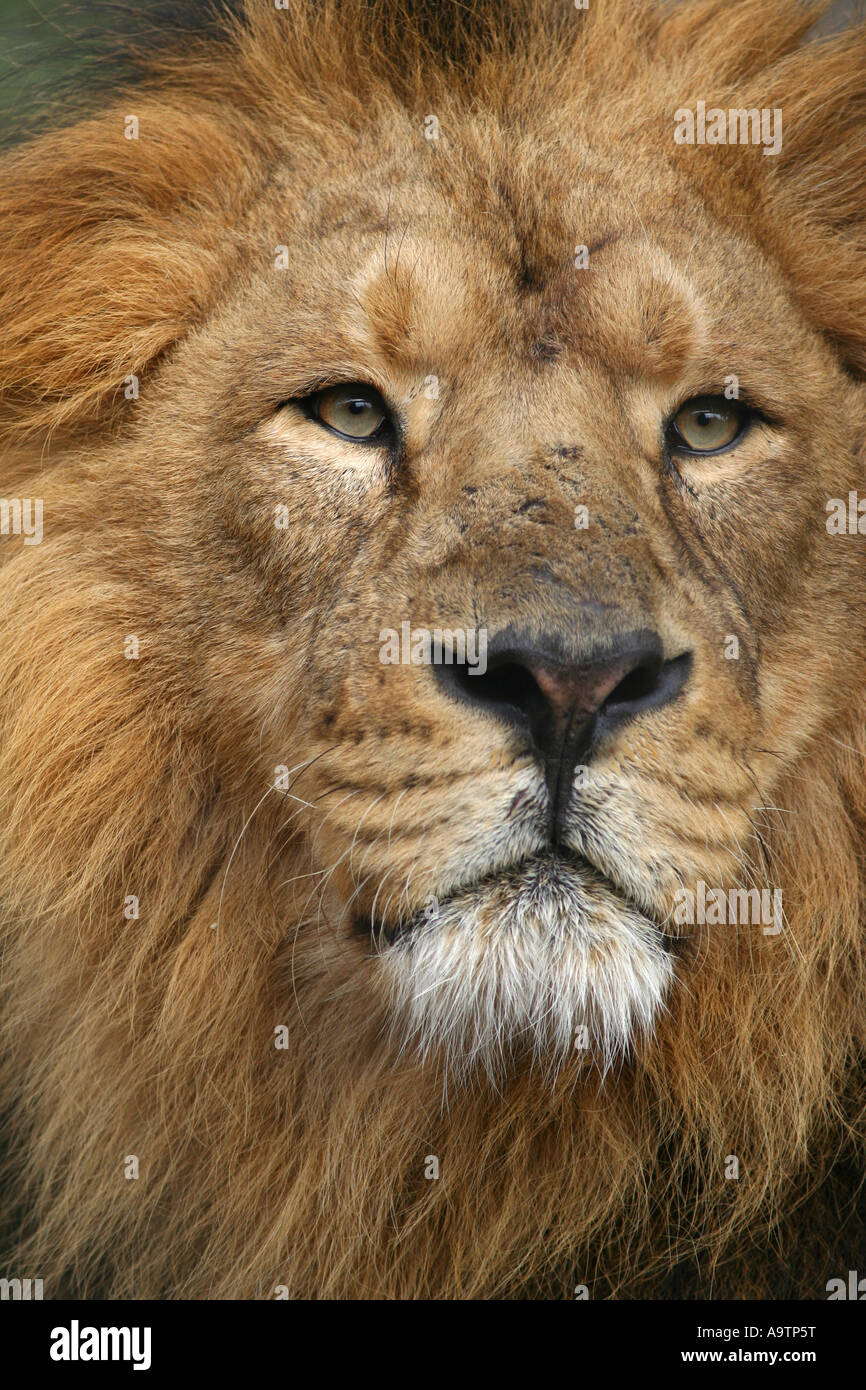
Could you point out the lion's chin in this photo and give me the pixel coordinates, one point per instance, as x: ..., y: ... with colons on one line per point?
x: 545, y: 960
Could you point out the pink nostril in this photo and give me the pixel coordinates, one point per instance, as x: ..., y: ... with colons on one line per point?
x: 578, y: 694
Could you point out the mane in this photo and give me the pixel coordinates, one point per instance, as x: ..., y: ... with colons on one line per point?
x: 303, y: 1166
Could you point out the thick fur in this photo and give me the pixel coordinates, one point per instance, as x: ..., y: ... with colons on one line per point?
x: 306, y: 1166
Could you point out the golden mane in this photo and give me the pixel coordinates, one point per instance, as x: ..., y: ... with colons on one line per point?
x: 304, y: 1166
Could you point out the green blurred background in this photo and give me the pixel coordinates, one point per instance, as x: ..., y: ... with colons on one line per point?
x: 38, y: 44
x: 57, y: 52
x: 50, y: 49
x: 46, y: 55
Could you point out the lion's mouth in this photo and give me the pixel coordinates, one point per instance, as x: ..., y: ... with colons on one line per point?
x: 546, y: 956
x: 547, y: 867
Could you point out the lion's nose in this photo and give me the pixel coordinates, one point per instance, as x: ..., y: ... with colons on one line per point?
x: 567, y: 705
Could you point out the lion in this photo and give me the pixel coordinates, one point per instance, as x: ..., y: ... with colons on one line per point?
x: 433, y: 712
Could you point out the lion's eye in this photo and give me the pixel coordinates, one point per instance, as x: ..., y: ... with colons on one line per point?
x: 354, y: 410
x: 706, y: 424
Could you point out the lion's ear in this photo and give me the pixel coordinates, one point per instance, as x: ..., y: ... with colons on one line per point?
x: 114, y: 234
x: 805, y: 200
x: 809, y: 208
x: 817, y: 189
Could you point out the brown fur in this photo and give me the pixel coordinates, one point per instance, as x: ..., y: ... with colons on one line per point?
x: 305, y: 1167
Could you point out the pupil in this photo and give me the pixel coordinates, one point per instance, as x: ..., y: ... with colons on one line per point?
x: 357, y: 407
x: 705, y: 418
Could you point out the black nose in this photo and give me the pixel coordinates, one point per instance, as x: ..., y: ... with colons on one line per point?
x: 567, y: 706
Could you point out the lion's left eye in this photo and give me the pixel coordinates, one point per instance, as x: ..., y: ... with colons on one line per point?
x: 354, y: 410
x: 707, y: 424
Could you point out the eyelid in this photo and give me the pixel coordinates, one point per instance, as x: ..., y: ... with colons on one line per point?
x: 750, y: 398
x: 326, y: 381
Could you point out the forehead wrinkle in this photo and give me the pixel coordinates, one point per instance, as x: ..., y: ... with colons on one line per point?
x: 606, y: 239
x: 383, y: 291
x: 389, y: 311
x: 445, y: 300
x: 640, y: 313
x: 545, y: 316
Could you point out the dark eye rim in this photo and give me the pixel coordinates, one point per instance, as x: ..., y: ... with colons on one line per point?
x: 675, y: 442
x: 385, y: 431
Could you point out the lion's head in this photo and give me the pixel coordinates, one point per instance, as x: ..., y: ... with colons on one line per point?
x: 433, y: 714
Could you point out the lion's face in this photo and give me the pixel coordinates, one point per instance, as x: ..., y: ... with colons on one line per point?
x: 438, y: 597
x: 627, y: 668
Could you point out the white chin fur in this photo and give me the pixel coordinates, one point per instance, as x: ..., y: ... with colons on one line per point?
x: 545, y: 960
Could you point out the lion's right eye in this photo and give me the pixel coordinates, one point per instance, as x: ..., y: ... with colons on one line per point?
x: 353, y: 411
x: 707, y: 425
